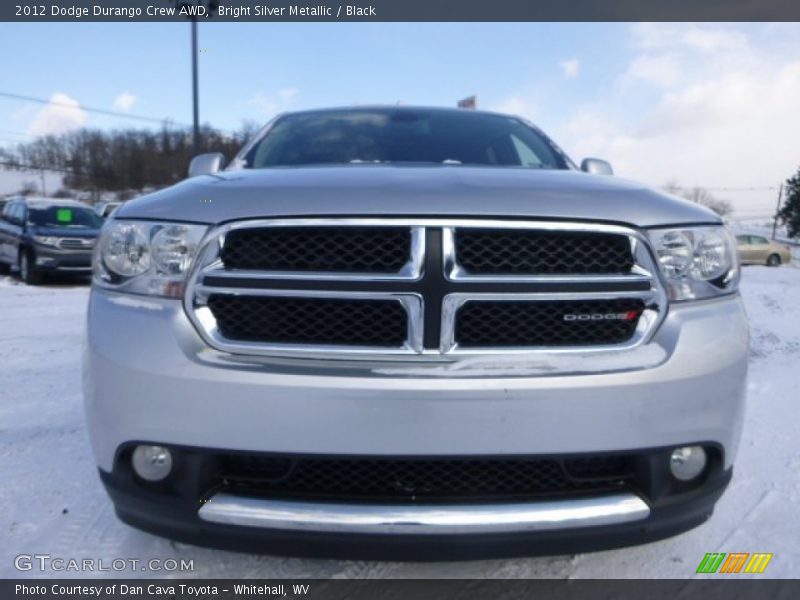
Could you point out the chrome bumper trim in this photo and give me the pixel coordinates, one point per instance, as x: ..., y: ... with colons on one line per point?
x: 229, y: 509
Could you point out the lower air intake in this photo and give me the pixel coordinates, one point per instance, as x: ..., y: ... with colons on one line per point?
x: 468, y: 479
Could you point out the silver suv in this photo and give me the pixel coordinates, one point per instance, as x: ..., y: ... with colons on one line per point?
x: 413, y: 333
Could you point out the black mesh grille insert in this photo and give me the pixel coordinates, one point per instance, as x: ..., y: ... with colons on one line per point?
x: 423, y: 479
x: 344, y: 249
x: 293, y: 320
x: 520, y: 252
x: 547, y: 323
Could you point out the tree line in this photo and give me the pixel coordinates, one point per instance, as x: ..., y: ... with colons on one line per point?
x: 129, y: 161
x: 123, y: 161
x: 702, y: 197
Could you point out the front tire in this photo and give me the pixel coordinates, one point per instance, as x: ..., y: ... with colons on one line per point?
x: 773, y: 260
x: 27, y: 268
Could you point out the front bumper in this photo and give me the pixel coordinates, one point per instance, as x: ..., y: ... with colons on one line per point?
x: 410, y: 531
x: 150, y: 378
x: 66, y: 261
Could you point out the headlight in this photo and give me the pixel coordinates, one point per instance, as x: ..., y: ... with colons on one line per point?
x: 126, y: 249
x: 697, y: 262
x: 46, y: 240
x: 144, y: 257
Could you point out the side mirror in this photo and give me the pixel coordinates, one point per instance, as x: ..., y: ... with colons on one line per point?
x: 595, y: 166
x: 205, y: 164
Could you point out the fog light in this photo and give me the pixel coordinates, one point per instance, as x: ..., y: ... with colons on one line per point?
x: 152, y: 463
x: 688, y: 462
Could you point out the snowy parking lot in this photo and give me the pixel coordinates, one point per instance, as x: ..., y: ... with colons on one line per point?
x: 52, y: 501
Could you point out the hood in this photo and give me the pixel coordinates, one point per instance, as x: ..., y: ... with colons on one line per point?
x: 422, y: 191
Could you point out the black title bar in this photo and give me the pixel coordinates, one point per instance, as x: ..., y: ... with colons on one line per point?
x: 399, y: 10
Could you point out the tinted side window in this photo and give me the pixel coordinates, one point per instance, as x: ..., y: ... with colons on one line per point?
x: 759, y: 240
x: 743, y: 239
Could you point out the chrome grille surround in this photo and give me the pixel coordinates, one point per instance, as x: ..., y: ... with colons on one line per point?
x: 76, y: 243
x: 648, y: 320
x: 643, y: 266
x: 207, y: 325
x: 209, y: 276
x: 410, y: 270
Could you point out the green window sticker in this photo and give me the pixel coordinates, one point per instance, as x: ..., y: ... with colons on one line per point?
x: 64, y: 215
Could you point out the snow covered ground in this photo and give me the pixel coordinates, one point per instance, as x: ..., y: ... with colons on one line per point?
x: 51, y: 501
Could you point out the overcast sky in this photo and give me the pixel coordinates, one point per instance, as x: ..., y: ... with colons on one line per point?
x: 714, y: 105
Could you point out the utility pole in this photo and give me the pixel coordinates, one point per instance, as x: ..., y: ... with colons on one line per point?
x: 190, y: 9
x: 777, y: 209
x: 195, y: 102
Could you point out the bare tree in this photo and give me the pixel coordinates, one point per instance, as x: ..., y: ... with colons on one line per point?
x: 29, y: 188
x: 672, y: 187
x: 701, y: 196
x: 125, y: 161
x: 62, y: 193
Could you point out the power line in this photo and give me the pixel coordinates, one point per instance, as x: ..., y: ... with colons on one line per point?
x: 19, y: 133
x: 765, y: 188
x: 100, y: 111
x: 23, y: 167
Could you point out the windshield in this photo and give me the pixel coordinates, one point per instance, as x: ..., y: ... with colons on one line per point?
x: 65, y: 216
x: 403, y: 136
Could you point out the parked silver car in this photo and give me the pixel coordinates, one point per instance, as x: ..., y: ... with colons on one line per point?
x: 412, y: 333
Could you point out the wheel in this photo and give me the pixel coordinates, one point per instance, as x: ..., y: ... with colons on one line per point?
x: 27, y: 268
x: 774, y: 260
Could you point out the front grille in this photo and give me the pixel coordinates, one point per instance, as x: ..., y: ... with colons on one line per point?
x: 411, y: 479
x: 422, y: 286
x: 539, y: 252
x: 299, y: 320
x: 76, y: 244
x: 310, y: 249
x: 546, y: 323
